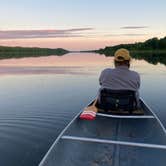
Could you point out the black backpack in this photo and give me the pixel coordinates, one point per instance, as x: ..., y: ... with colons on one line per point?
x: 121, y: 100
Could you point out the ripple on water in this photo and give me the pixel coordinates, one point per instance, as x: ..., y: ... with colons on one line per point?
x: 26, y: 136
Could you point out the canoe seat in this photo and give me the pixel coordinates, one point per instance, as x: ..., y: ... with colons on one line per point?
x: 118, y: 102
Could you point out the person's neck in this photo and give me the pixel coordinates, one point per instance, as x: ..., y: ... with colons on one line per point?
x: 122, y: 66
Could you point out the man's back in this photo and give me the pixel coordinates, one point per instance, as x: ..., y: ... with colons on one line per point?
x: 120, y: 78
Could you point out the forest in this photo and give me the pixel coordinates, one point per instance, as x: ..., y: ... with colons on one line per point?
x: 19, y: 52
x: 154, y: 45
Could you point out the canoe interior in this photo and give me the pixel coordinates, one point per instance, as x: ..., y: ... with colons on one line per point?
x: 142, y: 111
x: 68, y: 152
x: 78, y: 153
x: 132, y: 130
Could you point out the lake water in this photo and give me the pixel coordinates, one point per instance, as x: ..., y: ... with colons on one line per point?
x: 39, y: 96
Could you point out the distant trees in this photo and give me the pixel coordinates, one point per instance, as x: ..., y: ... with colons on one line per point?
x: 152, y: 50
x: 153, y: 44
x: 162, y: 43
x: 18, y: 52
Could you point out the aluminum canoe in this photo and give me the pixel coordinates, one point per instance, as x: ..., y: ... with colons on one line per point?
x: 110, y: 140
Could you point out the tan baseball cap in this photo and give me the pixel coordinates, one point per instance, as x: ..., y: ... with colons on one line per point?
x: 122, y: 55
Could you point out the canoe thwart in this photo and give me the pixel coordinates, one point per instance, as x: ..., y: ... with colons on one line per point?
x: 126, y: 116
x: 125, y: 143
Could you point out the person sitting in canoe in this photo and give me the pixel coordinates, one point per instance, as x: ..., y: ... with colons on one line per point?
x: 119, y: 86
x: 119, y: 91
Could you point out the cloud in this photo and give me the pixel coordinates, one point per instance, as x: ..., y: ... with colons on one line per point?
x: 134, y: 34
x: 79, y: 29
x: 134, y: 27
x: 126, y: 34
x: 25, y: 70
x: 25, y: 34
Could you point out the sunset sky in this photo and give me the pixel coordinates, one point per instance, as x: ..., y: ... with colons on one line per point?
x: 80, y: 24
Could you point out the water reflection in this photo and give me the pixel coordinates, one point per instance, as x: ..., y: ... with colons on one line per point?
x: 73, y: 59
x: 43, y: 70
x: 74, y: 63
x: 39, y: 96
x: 79, y: 64
x: 152, y: 58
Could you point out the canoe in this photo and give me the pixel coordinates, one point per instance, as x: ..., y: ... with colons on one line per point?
x: 110, y: 140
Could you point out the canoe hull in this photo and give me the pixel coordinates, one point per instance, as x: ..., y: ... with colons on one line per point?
x: 78, y: 153
x: 112, y: 141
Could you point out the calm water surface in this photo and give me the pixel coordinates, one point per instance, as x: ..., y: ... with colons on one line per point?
x: 39, y: 96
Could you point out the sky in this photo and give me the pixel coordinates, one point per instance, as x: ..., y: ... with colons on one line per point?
x: 80, y: 24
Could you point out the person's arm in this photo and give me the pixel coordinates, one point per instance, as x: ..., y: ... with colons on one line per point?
x: 139, y: 81
x: 137, y: 92
x: 101, y: 78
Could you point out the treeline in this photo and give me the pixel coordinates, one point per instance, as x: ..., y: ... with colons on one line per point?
x: 19, y: 52
x: 151, y: 45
